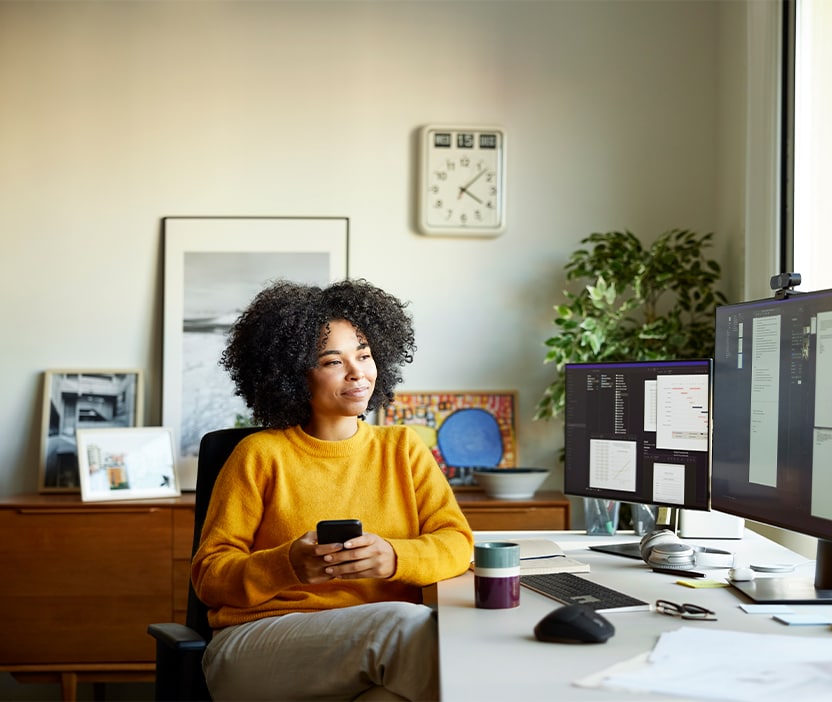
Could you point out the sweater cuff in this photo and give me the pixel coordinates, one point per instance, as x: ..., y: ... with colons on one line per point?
x: 271, y: 570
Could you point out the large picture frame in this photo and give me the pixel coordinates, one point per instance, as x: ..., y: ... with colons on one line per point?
x: 213, y: 268
x: 464, y: 429
x: 82, y: 399
x: 126, y: 464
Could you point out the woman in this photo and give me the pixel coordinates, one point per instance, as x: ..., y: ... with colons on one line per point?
x: 294, y: 619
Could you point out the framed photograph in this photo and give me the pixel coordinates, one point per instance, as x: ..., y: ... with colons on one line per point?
x: 126, y: 464
x: 214, y: 266
x: 463, y: 429
x: 82, y: 399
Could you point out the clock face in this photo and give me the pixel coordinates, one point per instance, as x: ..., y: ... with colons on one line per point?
x: 462, y: 181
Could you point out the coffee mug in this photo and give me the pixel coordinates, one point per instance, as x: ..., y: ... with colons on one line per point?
x: 496, y: 575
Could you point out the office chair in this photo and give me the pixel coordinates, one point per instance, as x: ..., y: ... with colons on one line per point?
x: 179, y: 647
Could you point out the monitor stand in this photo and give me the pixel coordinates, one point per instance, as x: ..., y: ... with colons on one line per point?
x: 794, y: 589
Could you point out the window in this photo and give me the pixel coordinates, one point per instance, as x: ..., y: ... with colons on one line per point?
x: 811, y: 175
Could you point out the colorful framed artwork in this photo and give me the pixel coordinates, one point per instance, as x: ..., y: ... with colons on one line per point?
x: 82, y: 399
x: 214, y: 266
x: 463, y: 429
x: 126, y: 464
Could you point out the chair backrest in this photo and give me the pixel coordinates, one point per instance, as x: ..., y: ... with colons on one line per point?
x: 214, y: 450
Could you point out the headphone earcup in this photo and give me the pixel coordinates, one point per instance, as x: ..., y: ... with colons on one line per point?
x: 671, y: 555
x: 654, y: 538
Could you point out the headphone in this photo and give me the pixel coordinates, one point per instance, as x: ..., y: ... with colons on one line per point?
x: 662, y: 549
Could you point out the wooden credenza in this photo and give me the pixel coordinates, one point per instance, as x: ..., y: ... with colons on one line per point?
x: 82, y: 580
x: 547, y: 510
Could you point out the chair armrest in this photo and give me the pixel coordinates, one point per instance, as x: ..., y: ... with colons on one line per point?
x: 179, y: 652
x: 176, y: 636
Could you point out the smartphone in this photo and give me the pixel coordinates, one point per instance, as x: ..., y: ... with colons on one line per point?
x: 337, y: 531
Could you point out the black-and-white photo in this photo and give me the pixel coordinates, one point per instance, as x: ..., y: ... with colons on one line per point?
x: 218, y: 286
x: 82, y: 399
x: 214, y: 266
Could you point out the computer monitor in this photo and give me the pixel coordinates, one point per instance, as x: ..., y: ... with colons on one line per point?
x: 639, y: 432
x: 772, y: 427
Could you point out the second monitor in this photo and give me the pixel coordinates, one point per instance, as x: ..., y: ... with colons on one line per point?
x: 639, y: 432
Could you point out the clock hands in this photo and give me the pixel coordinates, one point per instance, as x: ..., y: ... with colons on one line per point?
x: 474, y: 179
x: 463, y: 189
x: 468, y: 193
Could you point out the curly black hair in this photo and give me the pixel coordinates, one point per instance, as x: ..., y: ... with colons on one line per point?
x: 276, y: 340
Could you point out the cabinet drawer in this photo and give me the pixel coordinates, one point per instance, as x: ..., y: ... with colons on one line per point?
x: 515, y: 518
x: 183, y: 533
x: 85, y: 583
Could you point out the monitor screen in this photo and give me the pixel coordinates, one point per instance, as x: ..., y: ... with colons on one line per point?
x: 639, y: 432
x: 772, y: 410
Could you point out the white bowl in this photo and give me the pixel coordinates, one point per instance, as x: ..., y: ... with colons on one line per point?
x: 510, y: 483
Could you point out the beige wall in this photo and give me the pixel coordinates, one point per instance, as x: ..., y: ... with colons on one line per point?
x: 116, y: 114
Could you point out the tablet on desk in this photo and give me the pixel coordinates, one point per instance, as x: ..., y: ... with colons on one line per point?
x: 631, y: 549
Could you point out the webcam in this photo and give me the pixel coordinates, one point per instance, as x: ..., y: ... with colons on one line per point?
x: 785, y: 280
x: 783, y: 284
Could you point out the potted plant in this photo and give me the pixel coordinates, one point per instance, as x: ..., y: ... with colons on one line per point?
x: 635, y: 303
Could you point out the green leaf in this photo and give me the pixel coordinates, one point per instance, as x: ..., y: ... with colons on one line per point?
x: 628, y: 301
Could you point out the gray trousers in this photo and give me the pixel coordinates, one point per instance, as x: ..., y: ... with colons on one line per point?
x: 383, y: 650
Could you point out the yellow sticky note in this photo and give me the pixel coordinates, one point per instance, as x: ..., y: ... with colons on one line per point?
x: 702, y: 583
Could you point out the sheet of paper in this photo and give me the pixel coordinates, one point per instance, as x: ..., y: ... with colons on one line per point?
x: 726, y: 665
x: 766, y: 609
x: 597, y: 679
x: 804, y: 619
x: 804, y: 681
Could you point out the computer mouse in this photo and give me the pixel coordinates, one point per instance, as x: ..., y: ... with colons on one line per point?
x: 574, y: 623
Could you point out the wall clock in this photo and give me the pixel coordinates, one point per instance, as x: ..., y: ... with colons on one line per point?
x: 461, y: 180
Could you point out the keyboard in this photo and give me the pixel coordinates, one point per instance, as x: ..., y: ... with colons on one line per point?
x: 573, y: 589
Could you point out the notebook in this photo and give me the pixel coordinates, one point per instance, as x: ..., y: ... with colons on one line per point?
x: 545, y: 556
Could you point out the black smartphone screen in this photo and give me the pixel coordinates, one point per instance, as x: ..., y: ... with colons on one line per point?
x: 332, y: 531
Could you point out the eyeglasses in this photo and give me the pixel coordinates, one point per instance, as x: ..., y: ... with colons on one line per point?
x: 685, y: 611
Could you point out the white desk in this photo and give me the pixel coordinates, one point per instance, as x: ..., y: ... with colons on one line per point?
x: 493, y: 655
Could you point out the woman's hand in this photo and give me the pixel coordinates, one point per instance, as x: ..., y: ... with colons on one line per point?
x: 365, y: 556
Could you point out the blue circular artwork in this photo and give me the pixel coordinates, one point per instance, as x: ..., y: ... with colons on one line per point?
x: 470, y: 438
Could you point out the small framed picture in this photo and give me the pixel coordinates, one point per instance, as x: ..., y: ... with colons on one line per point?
x: 125, y: 464
x: 82, y: 399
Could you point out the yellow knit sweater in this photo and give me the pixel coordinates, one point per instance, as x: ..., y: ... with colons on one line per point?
x: 278, y: 484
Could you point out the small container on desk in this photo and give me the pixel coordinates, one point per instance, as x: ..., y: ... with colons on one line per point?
x: 601, y: 516
x: 644, y: 518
